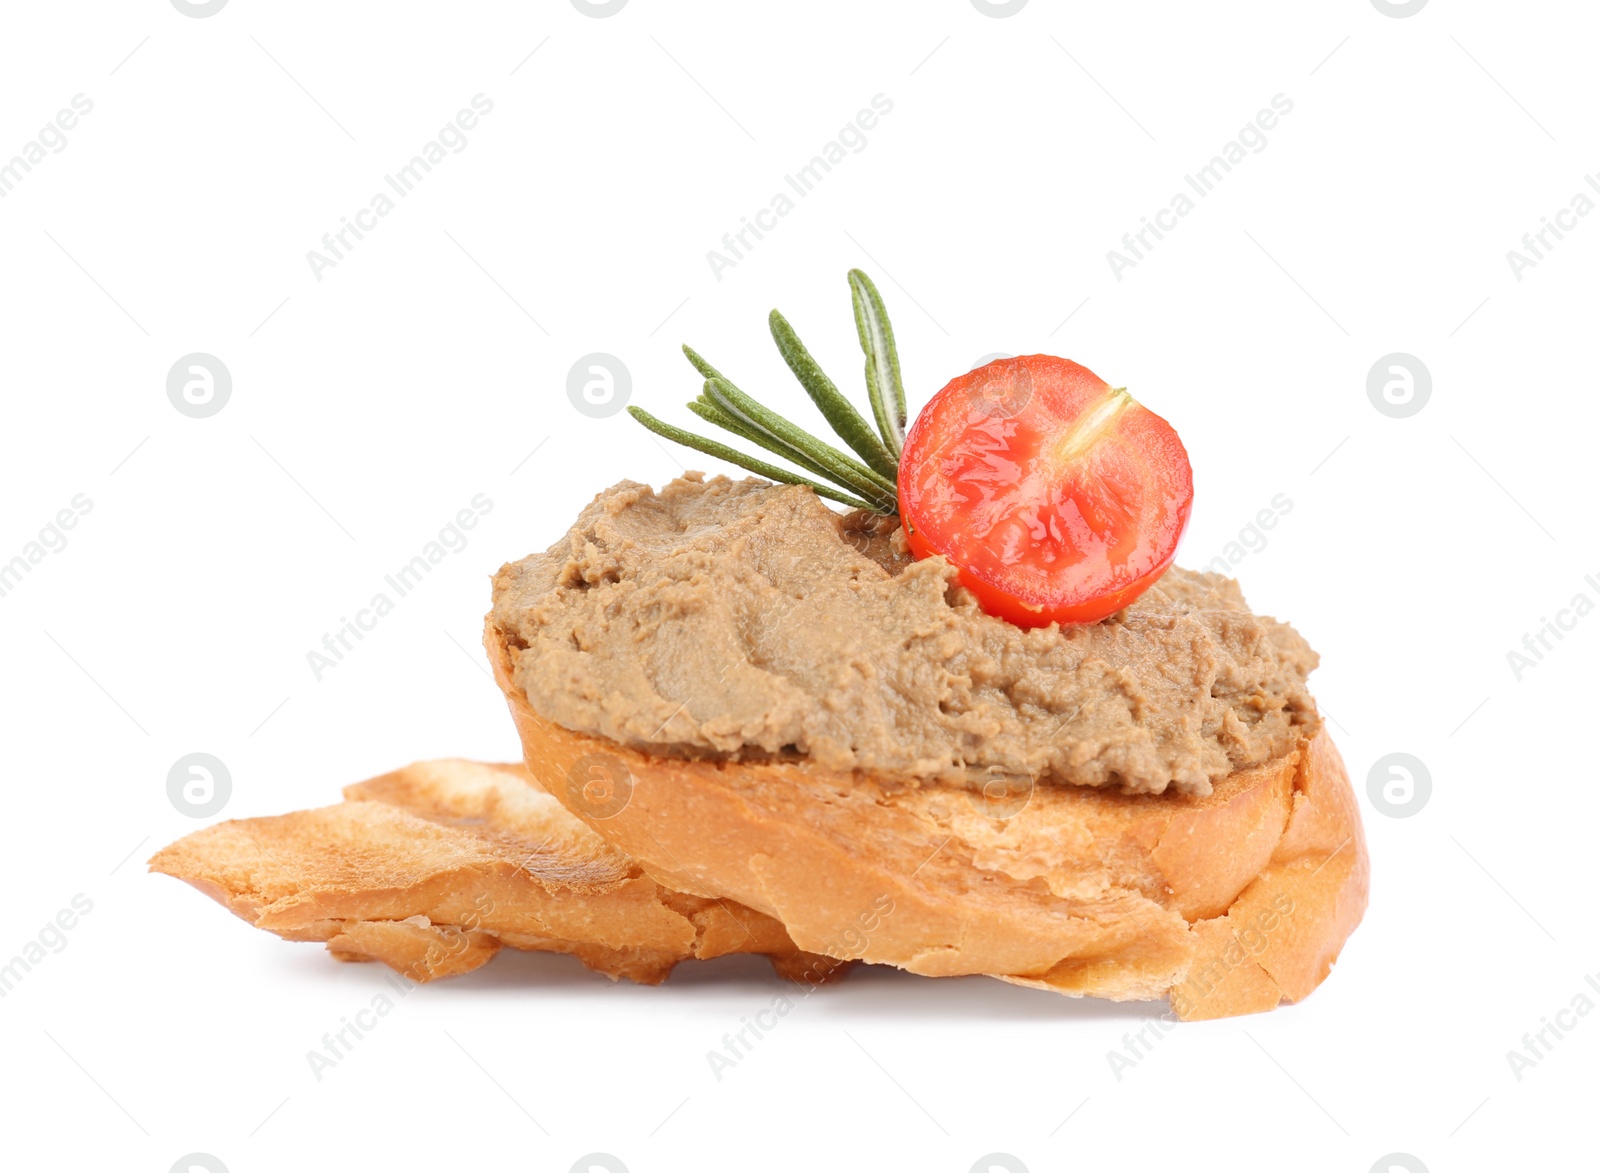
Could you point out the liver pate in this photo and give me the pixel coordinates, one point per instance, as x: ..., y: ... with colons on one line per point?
x: 742, y: 619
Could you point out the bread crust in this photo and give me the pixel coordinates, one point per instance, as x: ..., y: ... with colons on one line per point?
x: 432, y: 868
x: 1226, y: 903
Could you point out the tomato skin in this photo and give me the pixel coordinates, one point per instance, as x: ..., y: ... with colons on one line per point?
x: 1057, y: 498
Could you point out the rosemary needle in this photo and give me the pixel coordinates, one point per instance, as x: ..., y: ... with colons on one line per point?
x: 883, y: 363
x: 868, y: 485
x: 841, y: 468
x: 845, y: 420
x: 733, y: 456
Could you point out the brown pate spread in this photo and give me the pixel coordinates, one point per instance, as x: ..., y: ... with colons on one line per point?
x: 746, y: 620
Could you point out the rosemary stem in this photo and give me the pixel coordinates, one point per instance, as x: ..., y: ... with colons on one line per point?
x: 887, y: 484
x: 841, y: 468
x: 712, y: 412
x: 733, y: 456
x: 868, y: 485
x: 823, y: 458
x: 845, y: 420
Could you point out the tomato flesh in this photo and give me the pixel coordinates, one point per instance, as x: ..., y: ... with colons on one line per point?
x: 1058, y: 498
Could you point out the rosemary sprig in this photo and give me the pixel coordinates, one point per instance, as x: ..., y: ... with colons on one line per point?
x: 709, y: 410
x: 847, y: 422
x: 777, y: 434
x: 865, y: 483
x: 733, y: 456
x: 883, y: 363
x: 841, y: 468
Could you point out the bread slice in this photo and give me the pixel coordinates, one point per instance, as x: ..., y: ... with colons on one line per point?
x: 1225, y: 903
x: 433, y: 868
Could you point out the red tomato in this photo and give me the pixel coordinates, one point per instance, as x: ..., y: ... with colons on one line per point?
x: 1058, y: 498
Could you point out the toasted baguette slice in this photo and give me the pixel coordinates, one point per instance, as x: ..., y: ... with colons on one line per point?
x: 434, y: 867
x: 1227, y: 903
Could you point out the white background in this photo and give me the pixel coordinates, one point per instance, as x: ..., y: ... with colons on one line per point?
x: 369, y: 406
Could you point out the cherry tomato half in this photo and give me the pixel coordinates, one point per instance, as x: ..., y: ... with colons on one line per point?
x: 1058, y: 498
